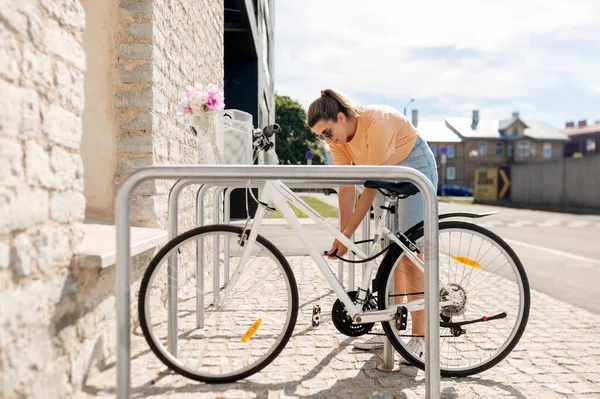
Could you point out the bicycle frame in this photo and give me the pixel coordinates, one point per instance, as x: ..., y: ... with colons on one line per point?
x: 278, y: 194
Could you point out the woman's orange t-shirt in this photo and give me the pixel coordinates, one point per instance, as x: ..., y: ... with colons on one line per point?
x: 382, y: 134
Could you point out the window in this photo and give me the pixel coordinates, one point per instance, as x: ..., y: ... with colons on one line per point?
x: 451, y: 153
x: 547, y: 150
x: 500, y: 149
x: 510, y: 150
x: 590, y: 145
x: 482, y: 149
x: 524, y: 149
x: 451, y: 173
x: 433, y: 149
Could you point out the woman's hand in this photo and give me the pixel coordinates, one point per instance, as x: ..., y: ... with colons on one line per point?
x: 337, y: 248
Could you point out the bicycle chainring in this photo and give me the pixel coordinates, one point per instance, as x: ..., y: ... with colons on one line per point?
x: 342, y: 321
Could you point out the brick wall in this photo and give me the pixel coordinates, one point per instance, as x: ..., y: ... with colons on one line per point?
x: 41, y: 190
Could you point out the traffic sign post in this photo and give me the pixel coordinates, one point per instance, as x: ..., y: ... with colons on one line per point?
x: 444, y: 152
x: 309, y: 156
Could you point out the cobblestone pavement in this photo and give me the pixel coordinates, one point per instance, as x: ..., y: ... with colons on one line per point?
x: 558, y: 356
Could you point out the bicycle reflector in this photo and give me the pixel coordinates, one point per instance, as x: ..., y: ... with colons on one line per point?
x: 466, y: 261
x: 251, y: 330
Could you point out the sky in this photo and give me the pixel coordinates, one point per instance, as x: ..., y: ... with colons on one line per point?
x: 540, y: 58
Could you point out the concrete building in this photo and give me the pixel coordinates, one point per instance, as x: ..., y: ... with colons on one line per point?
x: 89, y: 90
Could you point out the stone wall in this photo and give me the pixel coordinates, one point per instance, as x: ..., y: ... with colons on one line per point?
x: 41, y: 191
x: 56, y: 321
x: 164, y: 47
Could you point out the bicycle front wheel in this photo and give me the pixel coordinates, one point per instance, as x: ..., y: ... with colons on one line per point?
x: 483, y: 277
x: 217, y: 344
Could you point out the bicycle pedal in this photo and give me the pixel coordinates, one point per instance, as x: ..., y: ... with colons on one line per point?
x: 316, y: 316
x: 401, y: 318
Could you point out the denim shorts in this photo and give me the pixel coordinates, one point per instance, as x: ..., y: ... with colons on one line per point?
x: 410, y: 210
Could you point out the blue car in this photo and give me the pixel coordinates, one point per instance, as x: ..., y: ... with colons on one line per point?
x: 454, y: 190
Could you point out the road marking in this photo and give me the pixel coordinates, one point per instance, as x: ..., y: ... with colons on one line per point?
x: 554, y: 252
x: 520, y: 223
x: 579, y: 223
x: 551, y: 223
x: 490, y: 223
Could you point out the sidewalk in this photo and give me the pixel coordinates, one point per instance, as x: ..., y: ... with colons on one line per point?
x: 558, y: 356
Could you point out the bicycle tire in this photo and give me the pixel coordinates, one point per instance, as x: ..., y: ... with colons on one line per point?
x: 159, y: 349
x: 388, y: 265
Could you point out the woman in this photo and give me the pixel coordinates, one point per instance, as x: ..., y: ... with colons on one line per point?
x: 375, y: 135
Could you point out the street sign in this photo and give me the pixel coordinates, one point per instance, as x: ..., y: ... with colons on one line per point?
x: 504, y: 183
x: 486, y: 184
x: 443, y: 159
x: 444, y: 150
x: 492, y: 184
x: 308, y: 156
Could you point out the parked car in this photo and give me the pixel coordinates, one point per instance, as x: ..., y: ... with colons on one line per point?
x: 454, y: 190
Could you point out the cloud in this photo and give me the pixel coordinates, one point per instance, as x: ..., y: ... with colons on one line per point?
x: 471, y: 52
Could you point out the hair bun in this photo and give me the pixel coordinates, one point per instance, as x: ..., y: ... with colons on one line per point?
x: 325, y: 92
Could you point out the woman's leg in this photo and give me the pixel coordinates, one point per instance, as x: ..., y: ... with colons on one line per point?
x: 410, y: 212
x: 408, y: 278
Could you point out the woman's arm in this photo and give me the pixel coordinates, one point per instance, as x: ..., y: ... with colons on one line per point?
x: 346, y: 203
x: 364, y: 203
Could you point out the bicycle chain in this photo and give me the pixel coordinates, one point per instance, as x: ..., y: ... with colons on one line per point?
x: 410, y: 335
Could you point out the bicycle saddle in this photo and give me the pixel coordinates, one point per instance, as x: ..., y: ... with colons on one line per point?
x: 389, y: 188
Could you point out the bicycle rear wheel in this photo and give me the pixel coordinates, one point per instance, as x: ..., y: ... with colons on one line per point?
x: 229, y: 343
x: 486, y: 278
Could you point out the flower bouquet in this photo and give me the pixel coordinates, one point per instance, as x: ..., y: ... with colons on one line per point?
x: 202, y: 106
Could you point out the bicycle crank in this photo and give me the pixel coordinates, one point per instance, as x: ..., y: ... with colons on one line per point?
x: 342, y: 320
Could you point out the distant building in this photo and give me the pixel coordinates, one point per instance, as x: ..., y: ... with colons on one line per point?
x: 583, y: 138
x: 474, y: 142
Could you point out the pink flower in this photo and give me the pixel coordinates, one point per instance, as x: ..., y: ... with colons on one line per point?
x: 184, y: 108
x: 199, y: 100
x: 193, y: 90
x: 214, y: 98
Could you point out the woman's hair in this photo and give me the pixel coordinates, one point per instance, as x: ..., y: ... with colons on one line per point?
x: 329, y: 105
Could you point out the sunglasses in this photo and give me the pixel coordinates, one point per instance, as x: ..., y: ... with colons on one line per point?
x: 326, y: 134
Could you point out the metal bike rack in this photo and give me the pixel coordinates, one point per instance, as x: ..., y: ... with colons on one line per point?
x: 232, y: 173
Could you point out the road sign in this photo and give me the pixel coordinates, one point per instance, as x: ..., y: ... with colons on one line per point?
x: 443, y: 159
x: 504, y: 183
x: 444, y: 150
x: 486, y: 184
x: 492, y: 184
x: 308, y: 155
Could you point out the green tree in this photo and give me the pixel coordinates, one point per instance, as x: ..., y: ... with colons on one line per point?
x: 295, y: 138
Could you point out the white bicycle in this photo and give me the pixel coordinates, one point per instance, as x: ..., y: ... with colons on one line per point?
x: 484, y: 292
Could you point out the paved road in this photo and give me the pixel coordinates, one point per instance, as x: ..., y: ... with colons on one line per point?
x: 560, y: 252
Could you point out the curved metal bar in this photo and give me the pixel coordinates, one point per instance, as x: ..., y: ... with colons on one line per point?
x: 232, y: 173
x: 199, y: 257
